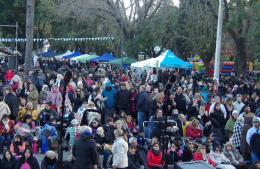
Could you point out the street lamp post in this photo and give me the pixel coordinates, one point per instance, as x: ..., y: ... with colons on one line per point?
x: 218, y: 41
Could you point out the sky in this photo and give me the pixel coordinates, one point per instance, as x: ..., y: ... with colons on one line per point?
x: 176, y: 2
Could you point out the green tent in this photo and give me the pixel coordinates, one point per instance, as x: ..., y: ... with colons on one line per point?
x: 86, y: 58
x: 124, y: 60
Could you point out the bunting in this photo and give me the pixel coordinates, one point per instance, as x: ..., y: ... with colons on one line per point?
x: 57, y: 39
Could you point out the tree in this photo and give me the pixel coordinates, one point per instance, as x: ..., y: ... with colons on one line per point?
x: 29, y: 34
x: 124, y: 18
x: 238, y: 15
x: 196, y: 30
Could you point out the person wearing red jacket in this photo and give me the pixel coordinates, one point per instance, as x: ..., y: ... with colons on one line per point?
x: 201, y: 155
x: 8, y: 76
x: 6, y: 131
x: 154, y: 157
x: 193, y: 131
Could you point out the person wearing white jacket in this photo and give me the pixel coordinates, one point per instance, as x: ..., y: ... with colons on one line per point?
x: 119, y: 151
x: 220, y: 159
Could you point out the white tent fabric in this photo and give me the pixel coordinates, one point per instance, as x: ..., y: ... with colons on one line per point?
x: 59, y: 57
x: 152, y: 62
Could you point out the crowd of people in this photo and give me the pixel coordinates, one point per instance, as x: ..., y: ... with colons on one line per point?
x: 117, y: 118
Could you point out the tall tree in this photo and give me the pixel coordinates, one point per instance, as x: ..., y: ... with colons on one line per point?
x: 238, y: 17
x: 29, y: 34
x: 196, y: 30
x: 125, y: 18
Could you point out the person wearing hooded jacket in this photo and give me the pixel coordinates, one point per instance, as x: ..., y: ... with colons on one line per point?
x: 49, y: 161
x: 109, y: 95
x: 85, y: 150
x: 48, y: 135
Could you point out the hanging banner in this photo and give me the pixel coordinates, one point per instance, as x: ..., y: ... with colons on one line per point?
x: 56, y: 39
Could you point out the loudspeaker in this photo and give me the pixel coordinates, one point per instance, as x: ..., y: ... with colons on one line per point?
x: 193, y: 165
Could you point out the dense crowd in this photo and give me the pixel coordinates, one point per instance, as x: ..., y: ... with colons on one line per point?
x: 117, y: 118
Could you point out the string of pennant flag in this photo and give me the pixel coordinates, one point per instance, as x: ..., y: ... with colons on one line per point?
x: 56, y: 39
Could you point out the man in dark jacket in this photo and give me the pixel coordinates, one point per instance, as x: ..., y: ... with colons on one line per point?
x: 85, y: 150
x: 141, y: 106
x: 123, y: 99
x: 180, y: 101
x: 13, y: 102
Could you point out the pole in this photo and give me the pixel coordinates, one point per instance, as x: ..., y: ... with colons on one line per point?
x: 218, y: 41
x: 16, y: 45
x: 67, y: 78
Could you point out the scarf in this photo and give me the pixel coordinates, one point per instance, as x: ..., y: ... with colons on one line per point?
x: 156, y: 152
x: 6, y: 125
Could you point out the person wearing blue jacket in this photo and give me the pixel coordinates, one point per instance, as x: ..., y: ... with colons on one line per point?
x: 48, y: 135
x: 109, y: 94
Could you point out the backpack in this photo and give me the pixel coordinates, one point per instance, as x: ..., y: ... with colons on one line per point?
x: 255, y: 142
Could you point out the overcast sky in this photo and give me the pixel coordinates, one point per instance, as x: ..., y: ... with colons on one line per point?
x: 176, y: 2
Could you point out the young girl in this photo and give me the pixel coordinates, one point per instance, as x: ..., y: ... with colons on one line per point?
x: 72, y: 132
x: 131, y: 124
x: 27, y: 161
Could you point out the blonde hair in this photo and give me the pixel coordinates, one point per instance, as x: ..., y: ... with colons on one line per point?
x: 119, y: 133
x: 119, y: 124
x: 100, y: 131
x: 200, y: 148
x: 194, y: 122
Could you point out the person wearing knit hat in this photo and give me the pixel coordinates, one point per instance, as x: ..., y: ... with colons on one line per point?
x: 49, y: 161
x: 85, y: 150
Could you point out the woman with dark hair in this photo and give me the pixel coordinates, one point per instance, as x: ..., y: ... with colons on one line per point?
x: 8, y: 161
x: 217, y: 125
x: 26, y: 128
x: 154, y: 157
x: 27, y: 161
x: 18, y: 146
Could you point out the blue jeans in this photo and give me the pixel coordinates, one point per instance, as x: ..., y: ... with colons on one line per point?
x: 7, y: 139
x: 140, y: 119
x: 254, y: 157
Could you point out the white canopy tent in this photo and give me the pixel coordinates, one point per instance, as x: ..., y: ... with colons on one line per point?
x: 59, y: 57
x: 152, y: 62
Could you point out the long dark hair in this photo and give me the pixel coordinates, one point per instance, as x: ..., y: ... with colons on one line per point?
x: 8, y: 151
x: 23, y: 159
x: 27, y: 116
x: 17, y: 144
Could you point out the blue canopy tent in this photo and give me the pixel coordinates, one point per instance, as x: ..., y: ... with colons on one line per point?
x: 49, y: 53
x: 106, y: 57
x: 172, y: 61
x: 75, y: 54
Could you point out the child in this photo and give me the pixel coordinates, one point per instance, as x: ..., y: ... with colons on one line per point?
x: 131, y: 124
x: 72, y: 132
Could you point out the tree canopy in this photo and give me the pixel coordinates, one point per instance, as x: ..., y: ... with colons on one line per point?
x: 140, y: 25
